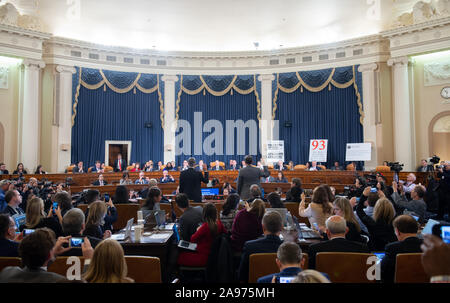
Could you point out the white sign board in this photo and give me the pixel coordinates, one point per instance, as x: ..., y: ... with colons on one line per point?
x: 318, y: 150
x: 358, y: 152
x: 275, y: 151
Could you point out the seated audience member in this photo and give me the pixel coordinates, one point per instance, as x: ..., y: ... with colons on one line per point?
x: 200, y: 166
x: 144, y: 193
x: 35, y: 217
x: 4, y: 186
x: 307, y: 166
x: 37, y: 251
x: 107, y: 265
x: 229, y: 211
x: 152, y: 203
x: 275, y: 200
x: 436, y: 259
x: 372, y: 199
x: 216, y: 166
x: 96, y: 220
x: 271, y: 226
x: 409, y: 185
x: 73, y: 225
x: 293, y: 195
x: 64, y: 201
x: 204, y: 237
x: 148, y: 166
x: 228, y: 186
x: 160, y: 166
x: 136, y: 168
x: 417, y: 205
x: 79, y: 168
x: 100, y: 182
x: 406, y: 228
x: 13, y: 200
x: 142, y: 179
x: 125, y: 179
x: 20, y: 170
x: 424, y: 167
x: 111, y: 215
x: 39, y: 170
x: 379, y: 225
x: 233, y: 165
x: 289, y: 260
x: 314, y: 166
x: 255, y: 193
x: 3, y: 170
x: 190, y: 219
x: 169, y: 167
x: 174, y: 167
x: 166, y: 178
x: 97, y: 167
x: 247, y: 224
x: 281, y: 178
x: 185, y: 165
x: 310, y: 276
x: 122, y: 195
x: 279, y: 166
x: 319, y: 210
x: 336, y: 166
x: 343, y: 208
x: 336, y: 229
x: 291, y: 165
x: 8, y: 245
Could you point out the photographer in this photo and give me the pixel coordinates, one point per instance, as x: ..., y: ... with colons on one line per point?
x: 417, y: 205
x: 444, y: 191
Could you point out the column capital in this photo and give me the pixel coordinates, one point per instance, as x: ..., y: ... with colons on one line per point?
x: 266, y: 77
x: 33, y: 64
x: 169, y: 78
x: 371, y: 67
x: 65, y: 69
x: 398, y: 61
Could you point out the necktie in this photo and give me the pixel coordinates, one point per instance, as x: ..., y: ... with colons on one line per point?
x: 120, y: 164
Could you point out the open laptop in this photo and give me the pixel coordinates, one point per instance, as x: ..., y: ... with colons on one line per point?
x: 19, y: 220
x: 155, y: 217
x: 283, y: 213
x: 182, y: 243
x: 212, y: 191
x: 428, y: 229
x: 127, y: 234
x: 304, y: 234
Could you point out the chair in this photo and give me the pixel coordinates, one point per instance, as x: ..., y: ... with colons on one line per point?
x: 176, y: 209
x: 90, y: 170
x: 351, y: 167
x: 383, y: 169
x: 213, y: 164
x: 322, y: 167
x: 124, y: 213
x: 130, y: 167
x: 108, y: 169
x: 264, y: 264
x: 70, y: 169
x: 9, y: 261
x: 270, y: 166
x: 60, y: 266
x: 409, y: 269
x: 300, y: 167
x: 144, y: 269
x: 344, y: 267
x: 83, y: 207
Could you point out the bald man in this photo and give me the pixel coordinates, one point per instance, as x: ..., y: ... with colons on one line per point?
x: 336, y: 230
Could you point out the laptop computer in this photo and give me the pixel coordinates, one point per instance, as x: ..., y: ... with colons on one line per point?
x: 210, y: 191
x: 304, y: 234
x: 182, y: 243
x: 428, y: 229
x: 127, y: 234
x: 155, y: 217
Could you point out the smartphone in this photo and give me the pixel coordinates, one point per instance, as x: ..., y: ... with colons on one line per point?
x: 26, y: 232
x: 106, y: 198
x: 374, y: 190
x: 55, y: 206
x: 76, y: 242
x: 442, y: 231
x: 396, y: 177
x: 284, y: 279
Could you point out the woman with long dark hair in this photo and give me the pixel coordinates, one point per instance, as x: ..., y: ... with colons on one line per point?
x: 319, y: 210
x: 121, y: 195
x: 152, y: 203
x: 229, y: 211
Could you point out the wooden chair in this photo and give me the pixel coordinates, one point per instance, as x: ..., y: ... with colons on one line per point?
x: 409, y: 269
x: 90, y: 170
x: 9, y: 261
x: 344, y: 267
x: 383, y: 169
x: 264, y: 264
x: 322, y: 167
x: 300, y: 167
x: 130, y: 167
x: 124, y: 213
x: 60, y: 266
x: 70, y: 169
x: 144, y: 269
x: 176, y: 209
x: 270, y: 166
x: 108, y: 169
x: 351, y: 167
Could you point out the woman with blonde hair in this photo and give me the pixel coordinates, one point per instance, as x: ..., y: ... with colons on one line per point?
x: 247, y: 224
x: 319, y: 210
x: 343, y: 208
x: 95, y: 221
x: 381, y: 231
x: 36, y: 217
x: 310, y: 276
x: 108, y: 263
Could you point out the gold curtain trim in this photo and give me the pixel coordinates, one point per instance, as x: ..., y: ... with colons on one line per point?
x: 258, y: 101
x: 342, y: 85
x: 120, y: 90
x: 358, y: 98
x: 75, y: 104
x: 315, y: 89
x: 161, y: 103
x: 275, y: 98
x: 219, y: 93
x: 93, y: 86
x: 177, y: 103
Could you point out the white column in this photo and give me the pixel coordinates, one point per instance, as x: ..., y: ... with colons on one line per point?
x: 169, y: 117
x: 64, y: 98
x: 29, y: 135
x: 266, y: 125
x: 369, y: 89
x: 403, y: 126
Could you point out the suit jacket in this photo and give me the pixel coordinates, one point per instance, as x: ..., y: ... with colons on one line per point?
x: 428, y: 169
x: 15, y: 274
x: 293, y: 195
x: 248, y: 176
x: 277, y: 167
x: 4, y: 172
x: 268, y: 244
x: 76, y: 170
x: 287, y: 272
x: 232, y: 167
x: 123, y: 165
x: 214, y: 168
x: 8, y: 248
x: 11, y: 211
x: 94, y: 170
x: 409, y: 245
x: 97, y: 182
x: 190, y: 220
x: 334, y: 245
x: 190, y: 183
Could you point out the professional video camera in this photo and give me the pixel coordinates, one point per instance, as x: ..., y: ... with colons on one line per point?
x: 371, y: 180
x: 435, y: 159
x: 395, y: 166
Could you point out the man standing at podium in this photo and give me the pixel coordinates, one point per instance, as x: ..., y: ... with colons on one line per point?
x: 191, y: 180
x: 120, y: 164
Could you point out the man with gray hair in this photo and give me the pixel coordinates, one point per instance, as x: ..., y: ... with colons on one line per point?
x: 73, y: 224
x: 191, y: 180
x: 256, y: 193
x: 336, y: 230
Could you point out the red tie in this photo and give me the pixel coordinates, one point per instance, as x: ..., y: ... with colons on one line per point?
x: 120, y: 166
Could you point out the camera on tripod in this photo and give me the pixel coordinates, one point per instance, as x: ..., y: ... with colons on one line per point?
x: 395, y: 166
x: 435, y: 159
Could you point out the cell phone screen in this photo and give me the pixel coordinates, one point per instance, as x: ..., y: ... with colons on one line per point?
x: 286, y: 279
x: 445, y: 233
x: 26, y: 232
x: 184, y: 244
x: 55, y: 205
x: 76, y: 242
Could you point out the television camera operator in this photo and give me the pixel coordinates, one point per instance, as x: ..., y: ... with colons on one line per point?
x: 443, y: 190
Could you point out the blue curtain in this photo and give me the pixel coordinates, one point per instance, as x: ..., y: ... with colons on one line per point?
x: 222, y: 108
x: 328, y: 114
x: 103, y: 114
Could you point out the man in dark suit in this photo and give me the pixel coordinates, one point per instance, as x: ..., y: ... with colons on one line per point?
x: 100, y: 182
x: 3, y: 170
x: 120, y: 164
x: 201, y: 166
x: 337, y: 166
x: 191, y: 180
x: 191, y: 218
x: 166, y: 178
x: 248, y: 176
x: 336, y: 230
x: 8, y: 247
x: 216, y: 166
x: 233, y: 165
x: 97, y: 167
x: 425, y: 167
x: 405, y: 228
x: 272, y: 226
x: 79, y: 168
x: 279, y: 166
x: 13, y: 199
x: 36, y: 250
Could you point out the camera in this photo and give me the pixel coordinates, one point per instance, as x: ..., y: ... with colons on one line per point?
x: 371, y: 180
x: 395, y: 166
x: 435, y: 159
